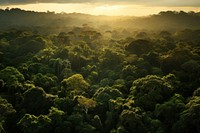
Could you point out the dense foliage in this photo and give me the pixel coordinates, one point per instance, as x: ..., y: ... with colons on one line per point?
x: 86, y: 79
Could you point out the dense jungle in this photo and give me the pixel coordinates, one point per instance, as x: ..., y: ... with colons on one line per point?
x: 80, y: 73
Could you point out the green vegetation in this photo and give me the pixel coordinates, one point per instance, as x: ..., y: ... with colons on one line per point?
x: 82, y: 77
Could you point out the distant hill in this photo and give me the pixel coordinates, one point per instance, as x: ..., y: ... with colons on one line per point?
x: 169, y: 20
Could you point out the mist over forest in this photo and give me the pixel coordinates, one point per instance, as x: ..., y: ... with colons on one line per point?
x: 80, y: 73
x: 165, y: 20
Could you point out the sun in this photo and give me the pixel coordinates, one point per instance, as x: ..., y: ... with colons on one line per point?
x: 107, y: 9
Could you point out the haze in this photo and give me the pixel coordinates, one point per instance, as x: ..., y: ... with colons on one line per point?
x: 103, y: 7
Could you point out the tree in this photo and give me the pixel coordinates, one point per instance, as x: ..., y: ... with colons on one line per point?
x: 142, y: 35
x: 11, y: 75
x: 78, y: 124
x: 191, y: 70
x: 1, y: 128
x: 63, y: 39
x: 35, y: 68
x: 86, y: 103
x: 58, y: 120
x: 96, y: 122
x: 65, y: 104
x: 139, y: 47
x: 196, y: 92
x: 129, y: 70
x: 153, y: 89
x: 59, y: 65
x: 168, y: 112
x: 189, y: 121
x: 121, y: 86
x: 104, y: 94
x: 63, y: 53
x: 33, y: 124
x: 110, y: 58
x: 77, y: 59
x: 175, y: 58
x: 153, y: 58
x: 2, y: 83
x: 12, y: 78
x: 44, y: 81
x: 75, y: 83
x: 45, y: 54
x: 32, y: 46
x: 86, y: 128
x: 165, y: 34
x: 132, y: 121
x: 153, y: 125
x: 36, y: 101
x: 6, y: 110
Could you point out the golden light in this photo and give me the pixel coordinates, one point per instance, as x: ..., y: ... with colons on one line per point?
x: 107, y: 9
x: 100, y: 9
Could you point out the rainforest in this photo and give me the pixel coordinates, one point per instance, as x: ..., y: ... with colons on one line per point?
x: 81, y: 73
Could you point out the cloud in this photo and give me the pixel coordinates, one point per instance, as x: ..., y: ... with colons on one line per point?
x: 170, y: 3
x: 175, y: 3
x: 11, y: 2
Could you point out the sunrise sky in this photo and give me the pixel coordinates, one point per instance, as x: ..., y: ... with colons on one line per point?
x: 104, y: 7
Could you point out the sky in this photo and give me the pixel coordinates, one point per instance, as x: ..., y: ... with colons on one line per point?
x: 104, y: 7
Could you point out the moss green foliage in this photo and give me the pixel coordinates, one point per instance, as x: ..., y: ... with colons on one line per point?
x: 36, y: 101
x: 33, y: 124
x: 76, y: 73
x: 151, y: 88
x: 74, y: 85
x: 132, y: 121
x: 11, y: 76
x: 189, y: 118
x: 6, y: 111
x: 169, y: 111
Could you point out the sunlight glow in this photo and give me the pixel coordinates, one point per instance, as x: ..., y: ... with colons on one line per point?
x: 107, y: 9
x: 100, y: 9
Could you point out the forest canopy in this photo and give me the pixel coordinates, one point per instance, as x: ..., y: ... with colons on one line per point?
x: 79, y: 73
